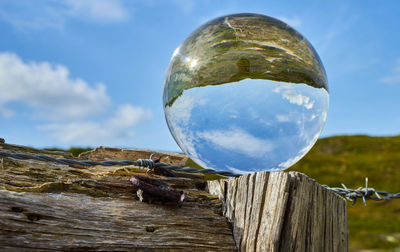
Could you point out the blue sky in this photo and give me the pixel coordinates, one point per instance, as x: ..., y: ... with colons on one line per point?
x: 91, y: 72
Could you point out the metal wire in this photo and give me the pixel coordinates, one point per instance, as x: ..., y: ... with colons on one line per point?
x: 366, y: 193
x: 352, y: 195
x: 145, y: 163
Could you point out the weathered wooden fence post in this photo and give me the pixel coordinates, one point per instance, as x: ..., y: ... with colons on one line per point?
x: 282, y: 211
x: 45, y: 205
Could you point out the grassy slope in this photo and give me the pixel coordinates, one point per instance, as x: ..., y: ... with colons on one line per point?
x: 348, y: 160
x: 74, y: 150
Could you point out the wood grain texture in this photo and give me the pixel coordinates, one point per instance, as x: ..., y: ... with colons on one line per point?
x: 281, y: 211
x: 48, y: 206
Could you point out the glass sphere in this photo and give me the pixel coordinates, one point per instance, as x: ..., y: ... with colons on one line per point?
x: 245, y: 93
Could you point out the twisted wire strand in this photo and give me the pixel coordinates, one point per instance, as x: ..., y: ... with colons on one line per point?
x: 366, y: 193
x: 145, y: 163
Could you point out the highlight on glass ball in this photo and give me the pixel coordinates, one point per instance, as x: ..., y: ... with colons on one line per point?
x: 245, y: 93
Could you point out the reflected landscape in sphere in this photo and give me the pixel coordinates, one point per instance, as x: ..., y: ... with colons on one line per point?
x: 245, y: 93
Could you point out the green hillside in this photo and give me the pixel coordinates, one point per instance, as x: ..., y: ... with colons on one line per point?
x: 348, y: 160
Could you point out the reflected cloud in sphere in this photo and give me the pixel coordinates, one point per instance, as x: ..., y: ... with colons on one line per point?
x: 245, y: 93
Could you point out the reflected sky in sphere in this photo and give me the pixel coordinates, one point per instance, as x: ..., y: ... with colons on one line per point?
x: 248, y: 126
x: 245, y: 93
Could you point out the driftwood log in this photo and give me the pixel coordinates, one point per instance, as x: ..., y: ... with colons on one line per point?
x: 47, y: 206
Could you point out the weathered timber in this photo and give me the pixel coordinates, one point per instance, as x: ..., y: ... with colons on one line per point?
x: 107, y: 153
x: 48, y: 206
x: 281, y: 211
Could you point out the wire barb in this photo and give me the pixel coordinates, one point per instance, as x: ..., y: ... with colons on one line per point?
x: 367, y: 193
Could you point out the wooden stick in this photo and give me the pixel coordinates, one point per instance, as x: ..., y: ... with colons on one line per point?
x: 156, y: 189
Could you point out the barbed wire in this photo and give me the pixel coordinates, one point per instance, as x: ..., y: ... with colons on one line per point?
x: 366, y: 193
x: 145, y: 163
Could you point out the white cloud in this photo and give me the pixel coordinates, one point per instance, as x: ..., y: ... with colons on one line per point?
x: 114, y: 129
x: 178, y: 116
x: 99, y: 10
x: 128, y: 115
x: 294, y: 97
x: 282, y: 118
x: 294, y: 22
x: 238, y: 140
x: 181, y: 109
x: 394, y: 77
x: 49, y: 94
x: 25, y: 14
x: 235, y: 170
x: 234, y: 114
x: 48, y: 90
x: 43, y: 14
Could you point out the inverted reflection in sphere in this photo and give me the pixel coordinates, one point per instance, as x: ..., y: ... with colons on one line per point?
x: 245, y: 93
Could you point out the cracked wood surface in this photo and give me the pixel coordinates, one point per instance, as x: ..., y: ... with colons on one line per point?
x: 48, y: 206
x: 281, y: 211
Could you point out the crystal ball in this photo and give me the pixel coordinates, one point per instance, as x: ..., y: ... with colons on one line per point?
x: 245, y: 93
